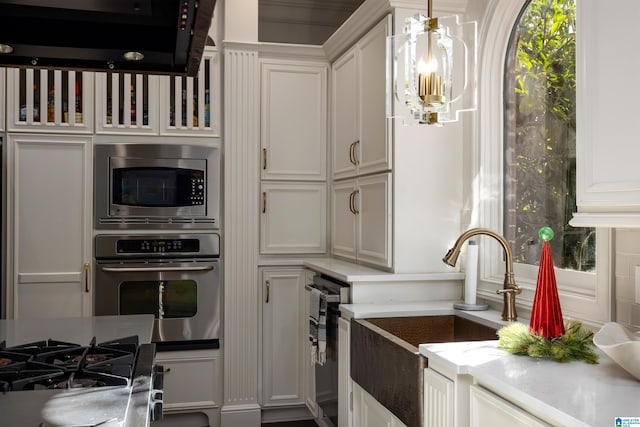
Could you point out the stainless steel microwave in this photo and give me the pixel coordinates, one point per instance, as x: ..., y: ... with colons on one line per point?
x: 156, y: 186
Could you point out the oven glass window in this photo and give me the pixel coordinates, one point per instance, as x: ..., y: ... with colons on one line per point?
x: 157, y: 186
x: 164, y: 299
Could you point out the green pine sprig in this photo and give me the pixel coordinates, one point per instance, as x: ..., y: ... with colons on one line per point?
x: 575, y: 344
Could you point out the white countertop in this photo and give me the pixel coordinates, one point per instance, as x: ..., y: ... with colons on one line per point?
x: 78, y: 330
x: 349, y: 272
x: 574, y: 393
x: 569, y: 394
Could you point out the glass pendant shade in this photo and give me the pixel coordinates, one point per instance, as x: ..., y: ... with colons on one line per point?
x: 434, y: 65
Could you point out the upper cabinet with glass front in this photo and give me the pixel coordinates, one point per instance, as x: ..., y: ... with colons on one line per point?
x: 608, y: 181
x: 49, y: 100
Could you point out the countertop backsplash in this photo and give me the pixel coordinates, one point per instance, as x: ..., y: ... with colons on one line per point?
x: 627, y: 277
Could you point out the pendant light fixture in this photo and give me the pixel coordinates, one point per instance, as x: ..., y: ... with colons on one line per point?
x: 435, y: 68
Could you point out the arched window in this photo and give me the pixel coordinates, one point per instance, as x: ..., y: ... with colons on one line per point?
x: 540, y: 137
x: 523, y: 160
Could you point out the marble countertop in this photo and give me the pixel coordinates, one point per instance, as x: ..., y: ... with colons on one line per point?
x: 349, y: 272
x: 79, y: 330
x: 569, y: 394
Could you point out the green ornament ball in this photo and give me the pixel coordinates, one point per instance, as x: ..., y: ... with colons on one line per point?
x: 545, y: 234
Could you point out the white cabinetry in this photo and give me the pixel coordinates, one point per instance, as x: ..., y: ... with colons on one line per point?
x: 439, y: 400
x: 361, y: 142
x: 607, y: 179
x: 137, y: 104
x: 361, y: 219
x: 49, y: 100
x: 49, y: 225
x: 284, y: 337
x: 368, y: 412
x: 345, y: 391
x: 293, y: 216
x: 487, y: 409
x: 192, y: 382
x: 293, y: 120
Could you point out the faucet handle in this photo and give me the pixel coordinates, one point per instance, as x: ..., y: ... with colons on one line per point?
x: 514, y: 289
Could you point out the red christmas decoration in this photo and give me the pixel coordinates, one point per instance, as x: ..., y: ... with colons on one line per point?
x: 546, y: 314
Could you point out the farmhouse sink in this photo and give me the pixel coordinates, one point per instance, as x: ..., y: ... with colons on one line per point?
x: 386, y: 362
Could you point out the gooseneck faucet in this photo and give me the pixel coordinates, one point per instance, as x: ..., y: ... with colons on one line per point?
x: 509, y: 289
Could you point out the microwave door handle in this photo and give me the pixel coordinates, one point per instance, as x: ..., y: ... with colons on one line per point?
x: 153, y: 269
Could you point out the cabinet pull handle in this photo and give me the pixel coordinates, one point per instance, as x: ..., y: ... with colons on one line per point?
x: 268, y: 285
x: 264, y: 158
x: 355, y: 206
x: 356, y: 161
x: 264, y: 202
x: 167, y: 370
x: 352, y: 158
x: 351, y: 202
x: 86, y: 277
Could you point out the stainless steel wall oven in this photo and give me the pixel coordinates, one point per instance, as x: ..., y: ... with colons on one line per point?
x: 156, y: 186
x: 175, y: 277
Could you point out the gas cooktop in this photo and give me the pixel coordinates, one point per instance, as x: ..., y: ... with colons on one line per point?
x: 56, y: 383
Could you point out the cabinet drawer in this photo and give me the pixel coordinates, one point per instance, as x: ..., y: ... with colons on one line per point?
x: 487, y: 409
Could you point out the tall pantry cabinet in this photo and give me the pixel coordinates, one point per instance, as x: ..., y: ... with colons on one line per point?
x: 361, y: 152
x: 293, y: 212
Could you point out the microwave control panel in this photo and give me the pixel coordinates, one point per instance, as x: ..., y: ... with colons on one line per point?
x: 197, y: 189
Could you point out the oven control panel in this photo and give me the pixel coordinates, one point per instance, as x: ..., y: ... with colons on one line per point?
x: 151, y: 246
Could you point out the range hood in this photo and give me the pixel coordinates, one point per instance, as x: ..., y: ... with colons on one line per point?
x: 137, y: 36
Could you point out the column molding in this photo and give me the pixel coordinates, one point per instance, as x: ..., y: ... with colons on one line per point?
x: 241, y: 186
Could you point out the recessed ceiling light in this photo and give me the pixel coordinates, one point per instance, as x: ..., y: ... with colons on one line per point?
x: 5, y: 48
x: 133, y: 56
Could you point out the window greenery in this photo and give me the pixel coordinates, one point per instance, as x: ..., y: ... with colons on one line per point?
x: 540, y: 137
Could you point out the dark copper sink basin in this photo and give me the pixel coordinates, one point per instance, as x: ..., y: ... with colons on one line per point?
x: 386, y: 362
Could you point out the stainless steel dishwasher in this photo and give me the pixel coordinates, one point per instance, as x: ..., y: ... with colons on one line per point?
x: 326, y: 375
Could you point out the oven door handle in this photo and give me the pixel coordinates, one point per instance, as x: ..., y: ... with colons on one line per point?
x: 154, y: 269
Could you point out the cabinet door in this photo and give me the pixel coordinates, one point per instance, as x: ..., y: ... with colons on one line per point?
x: 126, y: 103
x: 294, y: 120
x: 373, y: 153
x: 192, y: 105
x: 487, y: 409
x: 607, y: 180
x: 344, y: 374
x: 283, y: 331
x: 374, y: 219
x: 438, y: 400
x: 343, y: 219
x: 49, y: 225
x: 344, y: 78
x: 49, y: 100
x: 293, y: 217
x: 192, y: 379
